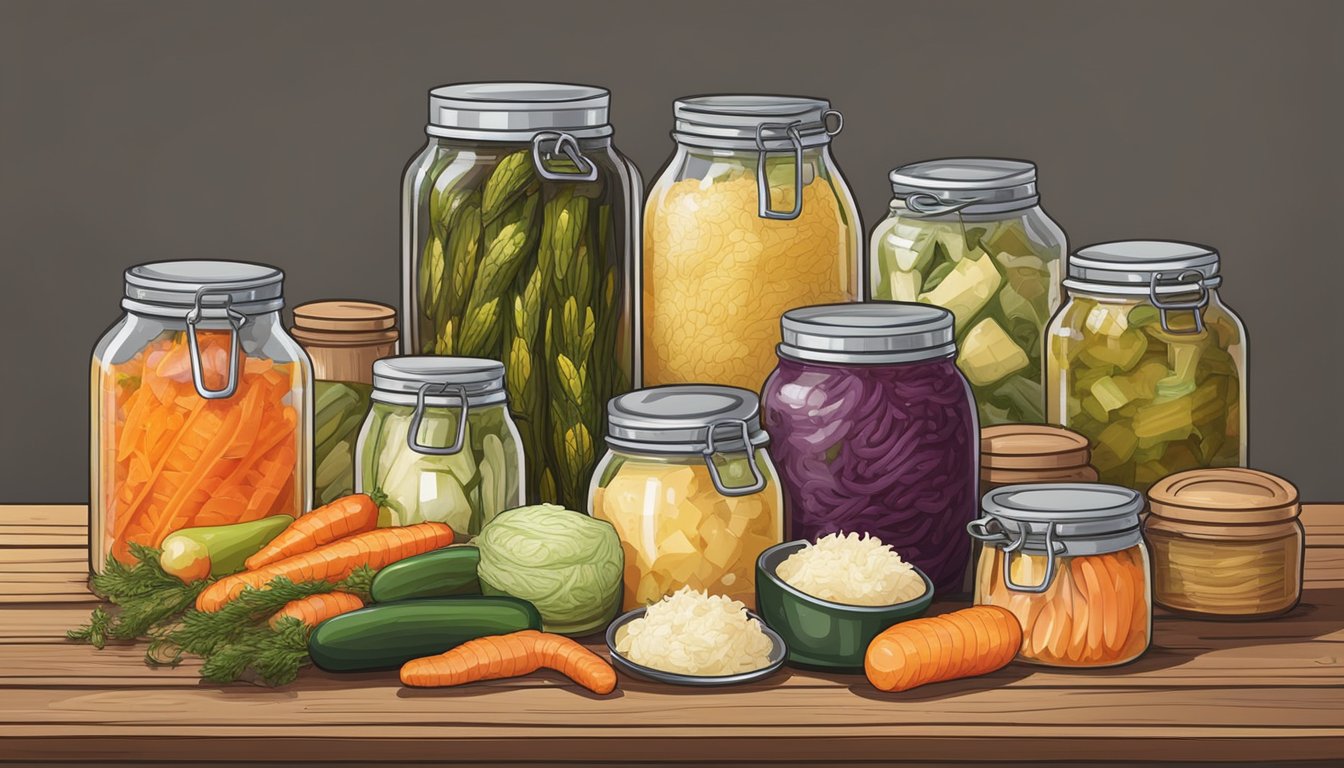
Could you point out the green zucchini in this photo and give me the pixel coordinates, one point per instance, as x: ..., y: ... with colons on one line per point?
x: 389, y: 635
x: 441, y: 573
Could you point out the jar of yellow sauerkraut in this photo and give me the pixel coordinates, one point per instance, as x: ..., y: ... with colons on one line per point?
x: 1147, y: 362
x: 690, y: 489
x: 749, y: 218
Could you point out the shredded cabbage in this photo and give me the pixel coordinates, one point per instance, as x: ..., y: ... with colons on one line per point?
x: 851, y: 569
x: 692, y: 633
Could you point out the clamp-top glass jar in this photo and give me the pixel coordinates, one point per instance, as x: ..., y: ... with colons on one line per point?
x: 969, y: 234
x: 1147, y: 362
x: 200, y: 407
x: 690, y: 489
x: 520, y: 237
x: 749, y: 218
x: 438, y: 444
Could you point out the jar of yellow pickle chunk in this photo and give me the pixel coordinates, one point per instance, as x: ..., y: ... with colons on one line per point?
x: 691, y: 490
x: 749, y: 218
x: 1147, y: 362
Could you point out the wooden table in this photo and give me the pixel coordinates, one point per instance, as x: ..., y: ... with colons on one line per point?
x: 1268, y: 691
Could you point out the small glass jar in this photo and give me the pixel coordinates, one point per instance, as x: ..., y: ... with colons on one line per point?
x: 690, y: 489
x: 343, y: 339
x: 1147, y: 362
x: 750, y: 217
x: 1068, y: 560
x: 969, y: 234
x: 1227, y: 543
x: 1013, y: 454
x: 874, y: 431
x: 200, y: 407
x: 439, y: 444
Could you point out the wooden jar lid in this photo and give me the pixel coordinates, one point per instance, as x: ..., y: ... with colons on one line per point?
x: 1032, y: 446
x: 1224, y: 496
x: 343, y: 322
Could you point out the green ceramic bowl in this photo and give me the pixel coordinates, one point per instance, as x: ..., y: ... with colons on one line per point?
x: 821, y: 634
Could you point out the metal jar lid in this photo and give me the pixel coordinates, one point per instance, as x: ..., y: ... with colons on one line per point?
x: 1138, y: 267
x: 774, y: 123
x: 1224, y: 498
x: 518, y: 111
x: 342, y: 323
x: 212, y: 290
x: 872, y: 333
x: 972, y: 185
x: 1032, y: 447
x: 438, y: 382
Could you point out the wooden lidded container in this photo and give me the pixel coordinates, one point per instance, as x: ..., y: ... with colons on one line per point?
x: 1012, y: 454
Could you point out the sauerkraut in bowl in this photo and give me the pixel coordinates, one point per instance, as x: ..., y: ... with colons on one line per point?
x: 851, y: 569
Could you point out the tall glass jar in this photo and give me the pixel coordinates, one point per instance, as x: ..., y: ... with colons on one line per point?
x: 1147, y: 362
x: 343, y: 339
x: 1069, y: 561
x: 200, y: 407
x: 874, y: 430
x: 439, y: 445
x: 749, y: 218
x: 969, y: 234
x: 690, y: 489
x: 520, y: 225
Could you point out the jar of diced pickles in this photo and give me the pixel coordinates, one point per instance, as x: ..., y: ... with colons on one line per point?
x: 343, y: 339
x: 1068, y: 560
x: 749, y: 218
x: 969, y: 234
x: 1147, y: 361
x: 439, y: 444
x: 689, y: 487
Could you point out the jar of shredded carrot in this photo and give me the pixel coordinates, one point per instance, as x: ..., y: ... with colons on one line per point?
x: 1227, y: 543
x: 1069, y: 561
x: 200, y: 407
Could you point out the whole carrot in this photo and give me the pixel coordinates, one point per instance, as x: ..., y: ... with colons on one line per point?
x: 343, y: 517
x: 972, y: 641
x: 512, y: 655
x: 315, y: 609
x: 332, y: 562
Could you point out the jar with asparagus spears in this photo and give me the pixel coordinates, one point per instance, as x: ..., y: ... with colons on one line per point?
x: 519, y: 235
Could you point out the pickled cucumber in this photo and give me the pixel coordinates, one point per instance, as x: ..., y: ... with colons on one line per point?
x: 1000, y: 279
x: 1151, y: 402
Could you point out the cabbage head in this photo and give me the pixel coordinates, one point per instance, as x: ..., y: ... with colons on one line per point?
x: 565, y: 563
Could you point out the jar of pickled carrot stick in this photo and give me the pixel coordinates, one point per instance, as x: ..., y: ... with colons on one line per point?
x: 1068, y: 560
x: 200, y: 407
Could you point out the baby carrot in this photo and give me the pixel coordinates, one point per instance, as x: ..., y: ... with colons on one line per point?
x: 512, y: 655
x: 984, y: 638
x: 315, y: 609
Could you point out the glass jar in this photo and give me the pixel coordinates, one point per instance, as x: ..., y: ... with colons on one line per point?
x: 200, y: 407
x: 1069, y: 561
x: 439, y: 444
x: 969, y: 234
x: 874, y: 431
x: 343, y: 339
x: 520, y: 232
x: 749, y: 218
x: 1013, y: 454
x: 1147, y: 362
x: 690, y: 489
x: 1227, y: 543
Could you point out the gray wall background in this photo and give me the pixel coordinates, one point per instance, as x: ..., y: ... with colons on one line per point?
x: 277, y: 132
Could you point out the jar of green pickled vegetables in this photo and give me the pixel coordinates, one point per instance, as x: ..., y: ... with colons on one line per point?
x: 520, y: 235
x: 969, y: 234
x: 1147, y: 362
x: 343, y: 339
x: 439, y: 444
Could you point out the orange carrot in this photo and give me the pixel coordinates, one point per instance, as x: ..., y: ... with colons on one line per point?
x: 513, y: 655
x: 980, y: 640
x: 315, y: 609
x: 332, y: 562
x: 343, y: 517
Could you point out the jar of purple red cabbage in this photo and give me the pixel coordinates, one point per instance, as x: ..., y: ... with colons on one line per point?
x: 875, y: 431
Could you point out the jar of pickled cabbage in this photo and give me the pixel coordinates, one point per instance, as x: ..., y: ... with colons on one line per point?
x: 1147, y: 362
x: 439, y: 444
x: 520, y: 243
x: 1011, y: 454
x: 969, y: 234
x: 690, y: 489
x: 200, y: 407
x: 343, y: 339
x: 1069, y: 561
x: 874, y: 431
x: 749, y: 218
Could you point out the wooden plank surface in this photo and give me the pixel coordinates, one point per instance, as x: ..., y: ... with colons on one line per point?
x: 1269, y: 691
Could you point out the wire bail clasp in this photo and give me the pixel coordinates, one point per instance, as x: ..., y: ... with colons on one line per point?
x: 236, y: 321
x: 564, y: 144
x: 418, y: 416
x: 758, y: 480
x: 762, y: 181
x: 1196, y: 306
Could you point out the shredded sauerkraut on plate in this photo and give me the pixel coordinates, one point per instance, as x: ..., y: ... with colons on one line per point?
x: 692, y: 633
